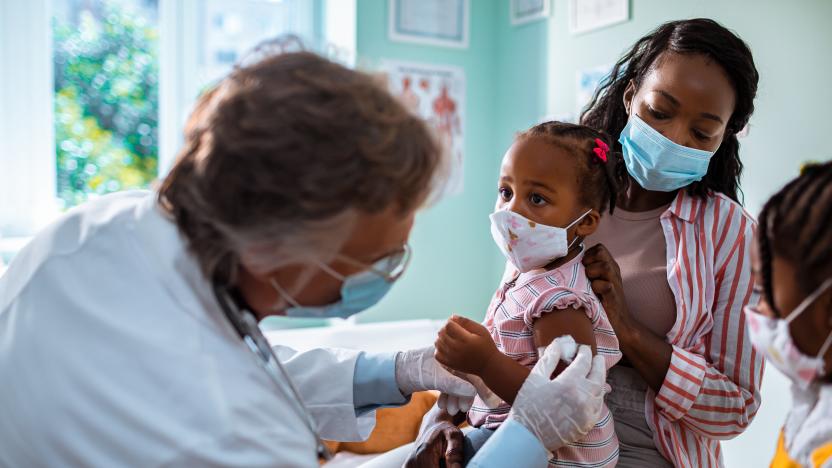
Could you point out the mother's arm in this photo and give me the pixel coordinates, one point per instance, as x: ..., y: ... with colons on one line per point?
x: 726, y: 384
x: 648, y: 353
x: 713, y: 386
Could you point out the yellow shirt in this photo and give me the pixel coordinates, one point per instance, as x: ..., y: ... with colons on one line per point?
x: 819, y: 457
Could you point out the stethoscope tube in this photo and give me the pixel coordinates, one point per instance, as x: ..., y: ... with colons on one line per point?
x: 245, y: 325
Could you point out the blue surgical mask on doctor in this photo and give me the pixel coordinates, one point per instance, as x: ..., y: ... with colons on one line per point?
x: 359, y: 291
x: 656, y: 162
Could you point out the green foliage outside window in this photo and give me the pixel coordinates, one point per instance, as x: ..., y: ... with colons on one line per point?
x: 106, y: 101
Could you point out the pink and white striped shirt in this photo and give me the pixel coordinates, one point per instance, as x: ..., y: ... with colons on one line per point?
x: 711, y: 390
x: 516, y: 306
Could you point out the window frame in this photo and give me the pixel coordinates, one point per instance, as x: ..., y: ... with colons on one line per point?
x: 27, y: 140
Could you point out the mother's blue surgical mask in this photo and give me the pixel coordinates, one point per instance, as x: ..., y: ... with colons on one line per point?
x: 657, y: 163
x: 359, y: 291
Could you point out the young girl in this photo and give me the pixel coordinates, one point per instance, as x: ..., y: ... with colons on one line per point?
x: 792, y: 325
x: 555, y: 181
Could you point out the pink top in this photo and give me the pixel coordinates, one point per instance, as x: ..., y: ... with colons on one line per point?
x: 510, y: 319
x: 636, y: 242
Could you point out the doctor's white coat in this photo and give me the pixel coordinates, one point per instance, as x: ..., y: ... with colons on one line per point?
x: 113, y: 352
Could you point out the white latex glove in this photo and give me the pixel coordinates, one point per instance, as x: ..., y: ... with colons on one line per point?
x: 417, y: 370
x: 563, y: 410
x: 454, y: 404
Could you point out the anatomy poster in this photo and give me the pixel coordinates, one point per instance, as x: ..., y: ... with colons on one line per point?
x: 437, y: 94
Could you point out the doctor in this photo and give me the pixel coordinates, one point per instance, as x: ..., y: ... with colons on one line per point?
x: 128, y: 329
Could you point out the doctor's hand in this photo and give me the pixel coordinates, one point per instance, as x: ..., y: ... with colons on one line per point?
x: 454, y: 404
x: 417, y: 370
x: 562, y: 410
x: 457, y: 404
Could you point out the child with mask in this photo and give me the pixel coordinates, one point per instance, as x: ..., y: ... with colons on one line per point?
x: 792, y: 325
x: 555, y: 181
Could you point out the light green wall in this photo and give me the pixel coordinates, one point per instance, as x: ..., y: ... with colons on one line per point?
x: 522, y: 84
x: 453, y: 269
x: 791, y: 42
x: 521, y: 74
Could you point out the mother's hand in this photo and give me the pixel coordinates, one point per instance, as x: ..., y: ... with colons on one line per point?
x: 440, y: 439
x: 605, y: 276
x: 649, y: 353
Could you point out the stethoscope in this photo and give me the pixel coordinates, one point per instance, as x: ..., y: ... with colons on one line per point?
x: 245, y: 324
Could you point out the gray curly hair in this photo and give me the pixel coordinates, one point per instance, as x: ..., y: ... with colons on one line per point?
x: 281, y: 156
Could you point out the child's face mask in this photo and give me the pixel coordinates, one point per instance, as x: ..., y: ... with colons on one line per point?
x: 771, y: 337
x: 527, y: 244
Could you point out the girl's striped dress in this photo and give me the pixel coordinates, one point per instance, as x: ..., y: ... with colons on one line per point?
x: 516, y: 305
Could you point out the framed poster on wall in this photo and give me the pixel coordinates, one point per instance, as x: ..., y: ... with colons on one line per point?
x: 589, y: 15
x: 437, y: 94
x: 526, y: 11
x: 432, y: 22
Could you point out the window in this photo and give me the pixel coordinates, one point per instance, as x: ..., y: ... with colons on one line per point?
x: 227, y: 29
x: 95, y: 92
x: 106, y: 75
x: 203, y: 39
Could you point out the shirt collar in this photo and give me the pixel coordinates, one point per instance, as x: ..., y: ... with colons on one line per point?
x: 685, y: 207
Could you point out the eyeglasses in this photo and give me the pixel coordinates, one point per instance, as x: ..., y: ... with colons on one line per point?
x: 391, y: 267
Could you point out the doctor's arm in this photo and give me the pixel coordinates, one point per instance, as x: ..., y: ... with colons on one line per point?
x: 374, y: 384
x: 344, y: 412
x: 386, y: 378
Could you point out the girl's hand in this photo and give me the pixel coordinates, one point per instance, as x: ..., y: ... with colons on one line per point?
x: 464, y: 346
x: 605, y: 275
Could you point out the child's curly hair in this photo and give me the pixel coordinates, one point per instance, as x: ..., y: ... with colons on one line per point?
x: 600, y: 181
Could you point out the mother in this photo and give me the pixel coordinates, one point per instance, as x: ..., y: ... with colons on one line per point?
x: 672, y: 263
